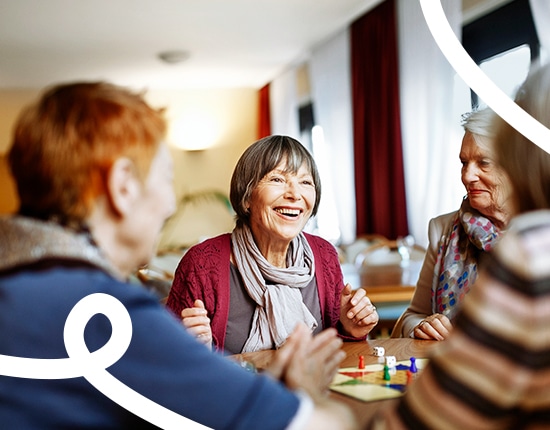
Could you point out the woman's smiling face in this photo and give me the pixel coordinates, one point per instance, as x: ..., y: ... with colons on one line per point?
x: 281, y: 204
x: 487, y: 185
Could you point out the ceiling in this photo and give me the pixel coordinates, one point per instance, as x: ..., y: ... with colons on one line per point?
x: 231, y: 43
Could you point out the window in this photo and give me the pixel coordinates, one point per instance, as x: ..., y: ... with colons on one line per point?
x: 325, y: 224
x: 505, y: 45
x: 508, y: 69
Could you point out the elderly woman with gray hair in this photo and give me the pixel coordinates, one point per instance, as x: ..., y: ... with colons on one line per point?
x: 458, y: 239
x: 246, y: 291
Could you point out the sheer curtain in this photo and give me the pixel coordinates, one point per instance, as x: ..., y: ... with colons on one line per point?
x: 541, y: 15
x: 283, y: 101
x: 430, y: 118
x: 285, y: 120
x: 329, y: 68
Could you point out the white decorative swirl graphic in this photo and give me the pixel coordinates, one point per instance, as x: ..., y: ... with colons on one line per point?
x: 478, y: 81
x: 92, y: 366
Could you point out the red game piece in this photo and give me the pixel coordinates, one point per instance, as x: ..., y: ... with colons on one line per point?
x: 410, y: 377
x: 361, y: 364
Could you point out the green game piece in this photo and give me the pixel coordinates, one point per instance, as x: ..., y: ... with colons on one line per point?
x: 387, y: 376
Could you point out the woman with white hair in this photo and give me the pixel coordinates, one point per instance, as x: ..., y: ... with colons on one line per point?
x: 458, y: 239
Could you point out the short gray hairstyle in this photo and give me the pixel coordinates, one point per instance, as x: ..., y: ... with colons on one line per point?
x: 480, y: 122
x: 262, y: 157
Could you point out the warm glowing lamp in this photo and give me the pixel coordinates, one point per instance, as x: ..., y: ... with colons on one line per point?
x: 194, y: 132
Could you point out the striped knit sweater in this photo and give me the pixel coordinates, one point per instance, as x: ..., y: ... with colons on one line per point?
x: 494, y: 370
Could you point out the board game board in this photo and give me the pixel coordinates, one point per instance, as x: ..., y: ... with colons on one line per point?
x: 368, y: 384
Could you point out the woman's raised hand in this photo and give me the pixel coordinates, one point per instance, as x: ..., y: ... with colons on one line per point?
x: 357, y: 314
x: 196, y: 321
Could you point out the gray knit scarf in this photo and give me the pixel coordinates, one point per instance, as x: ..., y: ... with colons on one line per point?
x: 275, y: 290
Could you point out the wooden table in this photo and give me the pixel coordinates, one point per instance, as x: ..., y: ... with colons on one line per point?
x: 402, y: 349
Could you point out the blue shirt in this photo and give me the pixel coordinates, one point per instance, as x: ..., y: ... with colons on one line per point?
x: 163, y: 362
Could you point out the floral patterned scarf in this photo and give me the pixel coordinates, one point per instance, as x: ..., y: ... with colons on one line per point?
x: 458, y: 253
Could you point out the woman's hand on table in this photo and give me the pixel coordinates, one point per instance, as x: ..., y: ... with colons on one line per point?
x: 357, y: 314
x: 308, y: 362
x: 433, y: 327
x: 196, y: 321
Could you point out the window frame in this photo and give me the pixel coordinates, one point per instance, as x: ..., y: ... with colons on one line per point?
x: 499, y: 31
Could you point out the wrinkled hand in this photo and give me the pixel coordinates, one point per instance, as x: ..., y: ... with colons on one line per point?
x: 357, y: 314
x: 436, y: 327
x: 308, y: 362
x: 196, y: 321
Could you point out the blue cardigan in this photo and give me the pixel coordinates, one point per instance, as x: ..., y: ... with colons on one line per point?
x: 163, y: 362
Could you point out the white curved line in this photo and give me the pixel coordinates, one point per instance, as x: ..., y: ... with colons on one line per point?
x: 474, y: 77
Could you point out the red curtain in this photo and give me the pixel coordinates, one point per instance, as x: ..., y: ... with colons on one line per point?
x: 264, y: 114
x: 378, y: 157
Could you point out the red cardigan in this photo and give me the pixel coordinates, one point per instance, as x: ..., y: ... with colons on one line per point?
x: 203, y: 273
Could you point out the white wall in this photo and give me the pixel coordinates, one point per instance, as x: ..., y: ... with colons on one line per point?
x: 233, y: 112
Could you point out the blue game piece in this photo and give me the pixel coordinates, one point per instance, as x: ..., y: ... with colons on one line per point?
x: 413, y: 367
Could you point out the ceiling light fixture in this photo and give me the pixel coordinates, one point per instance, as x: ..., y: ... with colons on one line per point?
x: 173, y: 57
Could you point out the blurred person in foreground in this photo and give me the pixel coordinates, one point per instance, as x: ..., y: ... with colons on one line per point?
x: 246, y: 290
x: 458, y: 239
x: 95, y: 185
x: 493, y: 372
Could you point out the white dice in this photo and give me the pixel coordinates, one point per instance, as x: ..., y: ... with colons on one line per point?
x: 391, y: 362
x: 379, y: 351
